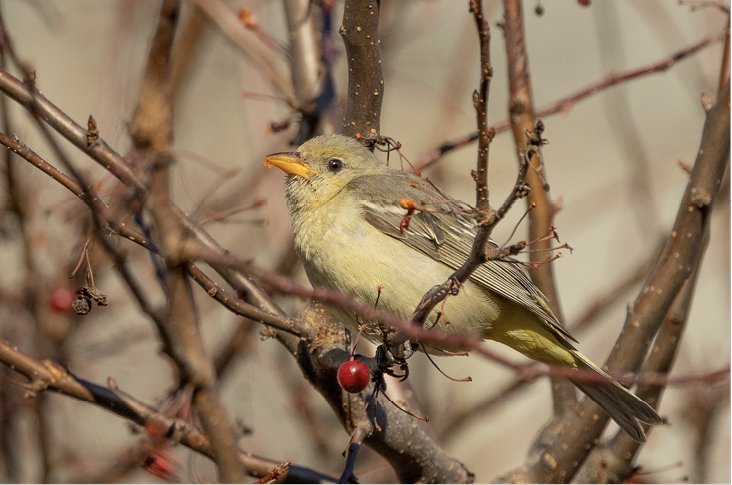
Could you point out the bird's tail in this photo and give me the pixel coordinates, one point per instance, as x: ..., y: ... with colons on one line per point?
x: 626, y: 409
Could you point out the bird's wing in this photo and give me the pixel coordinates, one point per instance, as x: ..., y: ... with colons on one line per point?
x: 445, y: 231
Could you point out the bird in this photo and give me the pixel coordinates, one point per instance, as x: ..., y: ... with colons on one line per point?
x: 354, y: 232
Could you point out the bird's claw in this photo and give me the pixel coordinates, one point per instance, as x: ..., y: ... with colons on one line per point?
x: 386, y: 359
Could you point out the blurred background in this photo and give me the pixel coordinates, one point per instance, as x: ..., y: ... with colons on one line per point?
x: 613, y: 163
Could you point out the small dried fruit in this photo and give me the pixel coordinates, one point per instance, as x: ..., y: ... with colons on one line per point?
x: 81, y: 305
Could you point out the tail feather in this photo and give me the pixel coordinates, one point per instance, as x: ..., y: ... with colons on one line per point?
x: 624, y: 407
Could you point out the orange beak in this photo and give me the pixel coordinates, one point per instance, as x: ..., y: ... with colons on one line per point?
x: 290, y: 163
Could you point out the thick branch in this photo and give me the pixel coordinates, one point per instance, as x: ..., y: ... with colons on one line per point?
x: 151, y: 131
x: 360, y: 32
x: 679, y: 259
x: 613, y: 462
x: 521, y: 114
x: 414, y: 455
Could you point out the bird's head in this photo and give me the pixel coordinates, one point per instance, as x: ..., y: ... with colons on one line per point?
x: 322, y: 167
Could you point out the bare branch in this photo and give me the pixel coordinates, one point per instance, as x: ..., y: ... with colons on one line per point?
x: 480, y: 103
x: 75, y: 188
x: 414, y: 455
x: 360, y: 32
x: 613, y: 462
x: 274, y: 67
x: 541, y: 216
x: 103, y: 154
x: 566, y: 103
x: 151, y: 131
x: 677, y: 262
x: 49, y: 376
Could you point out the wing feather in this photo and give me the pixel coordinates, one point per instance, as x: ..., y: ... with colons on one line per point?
x: 446, y: 233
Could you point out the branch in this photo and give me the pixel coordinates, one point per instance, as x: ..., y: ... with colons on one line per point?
x: 235, y: 305
x: 429, y: 462
x: 414, y: 455
x: 49, y: 376
x: 480, y: 103
x: 684, y: 247
x: 677, y: 262
x: 462, y: 417
x: 228, y: 300
x: 566, y: 103
x: 360, y: 32
x: 151, y: 130
x: 613, y: 462
x: 275, y: 68
x: 103, y: 154
x: 541, y: 217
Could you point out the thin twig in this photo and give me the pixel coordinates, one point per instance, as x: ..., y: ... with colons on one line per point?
x: 566, y: 103
x: 480, y: 103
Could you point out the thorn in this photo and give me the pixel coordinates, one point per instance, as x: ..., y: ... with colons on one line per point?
x: 685, y: 166
x: 706, y: 102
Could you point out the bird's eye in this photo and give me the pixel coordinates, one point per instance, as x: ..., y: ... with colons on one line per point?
x: 335, y: 165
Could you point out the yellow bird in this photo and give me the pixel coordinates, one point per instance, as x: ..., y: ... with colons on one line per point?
x: 351, y: 236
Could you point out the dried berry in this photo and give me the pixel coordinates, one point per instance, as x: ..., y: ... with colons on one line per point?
x: 81, y: 305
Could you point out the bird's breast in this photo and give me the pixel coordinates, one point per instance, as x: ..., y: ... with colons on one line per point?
x: 342, y: 251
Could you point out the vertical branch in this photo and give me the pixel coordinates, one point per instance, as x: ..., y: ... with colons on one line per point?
x: 360, y: 32
x: 521, y: 114
x: 480, y: 103
x: 152, y: 131
x: 304, y: 50
x: 724, y: 71
x: 310, y: 76
x: 8, y: 395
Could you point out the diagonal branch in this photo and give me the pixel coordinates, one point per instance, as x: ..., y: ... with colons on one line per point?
x: 49, y: 376
x: 613, y: 462
x: 680, y: 257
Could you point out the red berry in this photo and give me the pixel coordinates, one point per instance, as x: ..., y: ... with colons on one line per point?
x: 60, y: 300
x: 161, y: 463
x: 353, y: 376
